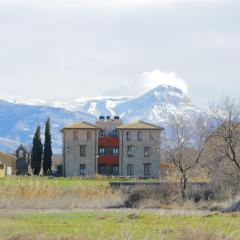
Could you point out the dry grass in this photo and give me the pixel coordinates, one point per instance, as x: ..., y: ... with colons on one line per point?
x: 71, y: 193
x: 197, y: 234
x: 47, y: 193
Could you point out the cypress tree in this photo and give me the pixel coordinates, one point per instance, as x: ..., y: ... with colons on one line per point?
x: 47, y: 155
x: 37, y: 151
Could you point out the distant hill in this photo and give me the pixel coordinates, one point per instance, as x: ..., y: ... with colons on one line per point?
x: 20, y: 116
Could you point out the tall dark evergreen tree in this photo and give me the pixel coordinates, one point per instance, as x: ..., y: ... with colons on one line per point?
x: 47, y: 155
x: 37, y: 151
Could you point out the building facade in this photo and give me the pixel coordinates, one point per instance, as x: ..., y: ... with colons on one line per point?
x: 111, y: 148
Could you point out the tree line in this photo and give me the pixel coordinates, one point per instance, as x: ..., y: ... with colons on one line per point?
x: 42, y: 153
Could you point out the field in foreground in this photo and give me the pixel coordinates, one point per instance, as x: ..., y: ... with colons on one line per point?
x: 62, y: 193
x: 129, y: 225
x: 76, y: 193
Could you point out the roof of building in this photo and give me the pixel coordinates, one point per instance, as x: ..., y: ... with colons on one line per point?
x: 7, y: 156
x: 140, y: 125
x: 23, y: 147
x: 81, y: 125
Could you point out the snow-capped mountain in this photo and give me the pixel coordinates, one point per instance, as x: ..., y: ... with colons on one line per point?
x: 20, y: 116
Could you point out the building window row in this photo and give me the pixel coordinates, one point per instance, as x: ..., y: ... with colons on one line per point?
x: 114, y: 151
x: 114, y: 133
x: 115, y: 169
x: 139, y: 136
x: 108, y: 151
x: 108, y: 169
x: 88, y: 136
x: 146, y: 169
x: 130, y: 151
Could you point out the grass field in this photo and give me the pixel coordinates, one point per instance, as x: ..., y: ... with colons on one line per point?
x: 119, y: 225
x: 61, y: 182
x: 76, y: 208
x: 96, y: 181
x: 76, y: 193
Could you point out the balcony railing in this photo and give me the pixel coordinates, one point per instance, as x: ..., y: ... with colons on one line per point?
x: 108, y: 153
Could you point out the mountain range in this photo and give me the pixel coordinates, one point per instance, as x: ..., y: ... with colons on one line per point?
x: 20, y: 116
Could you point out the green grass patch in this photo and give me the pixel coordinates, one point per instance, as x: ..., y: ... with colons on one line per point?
x: 103, y: 226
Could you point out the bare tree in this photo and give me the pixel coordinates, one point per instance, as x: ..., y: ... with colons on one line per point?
x: 184, y: 146
x: 225, y: 140
x: 223, y: 146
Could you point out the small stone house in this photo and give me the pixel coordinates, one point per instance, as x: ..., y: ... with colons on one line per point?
x: 23, y: 159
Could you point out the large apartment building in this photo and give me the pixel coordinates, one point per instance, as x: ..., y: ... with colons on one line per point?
x: 112, y: 148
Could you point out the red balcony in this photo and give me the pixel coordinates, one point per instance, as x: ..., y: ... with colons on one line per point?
x: 108, y: 141
x: 108, y: 159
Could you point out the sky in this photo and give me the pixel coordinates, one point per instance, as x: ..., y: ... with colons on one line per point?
x: 61, y: 49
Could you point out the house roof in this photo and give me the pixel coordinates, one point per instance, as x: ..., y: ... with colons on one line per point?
x: 7, y: 157
x: 140, y: 125
x: 26, y: 148
x: 81, y: 125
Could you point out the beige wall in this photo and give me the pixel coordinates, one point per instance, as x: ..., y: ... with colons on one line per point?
x: 72, y: 159
x: 71, y: 152
x: 139, y: 159
x: 9, y: 161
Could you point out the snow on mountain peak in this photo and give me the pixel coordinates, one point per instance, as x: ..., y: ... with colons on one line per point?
x: 155, y: 106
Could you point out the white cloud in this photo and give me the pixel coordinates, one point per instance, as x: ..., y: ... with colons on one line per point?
x: 158, y: 77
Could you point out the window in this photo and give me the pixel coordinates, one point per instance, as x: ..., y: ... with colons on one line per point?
x: 101, y: 150
x: 82, y: 169
x: 75, y: 135
x: 101, y: 169
x: 115, y: 133
x: 147, y: 169
x: 130, y: 151
x: 130, y: 169
x: 146, y: 151
x: 128, y: 136
x: 20, y: 154
x: 115, y: 169
x: 101, y: 133
x: 82, y: 150
x: 115, y: 151
x: 139, y: 136
x: 151, y: 137
x: 89, y: 135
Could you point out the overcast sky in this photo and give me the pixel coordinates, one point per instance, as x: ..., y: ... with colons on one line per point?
x: 83, y: 48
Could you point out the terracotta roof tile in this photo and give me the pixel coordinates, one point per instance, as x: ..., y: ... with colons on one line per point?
x: 7, y: 156
x: 81, y: 125
x: 140, y: 125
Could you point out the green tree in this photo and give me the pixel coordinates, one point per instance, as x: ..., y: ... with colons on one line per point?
x: 47, y: 155
x: 37, y: 151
